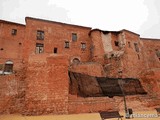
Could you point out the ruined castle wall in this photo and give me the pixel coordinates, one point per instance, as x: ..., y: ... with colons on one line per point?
x: 151, y: 81
x: 11, y: 45
x: 107, y: 42
x: 55, y: 36
x: 115, y: 38
x: 47, y: 85
x: 94, y: 94
x: 12, y: 92
x: 90, y: 104
x: 44, y: 88
x: 151, y: 47
x: 88, y: 68
x: 127, y: 55
x: 82, y: 87
x: 133, y: 61
x: 97, y: 48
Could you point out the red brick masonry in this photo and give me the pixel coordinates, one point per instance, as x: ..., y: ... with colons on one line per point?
x: 39, y: 82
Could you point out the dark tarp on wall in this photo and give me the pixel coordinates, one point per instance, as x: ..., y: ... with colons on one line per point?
x: 90, y: 86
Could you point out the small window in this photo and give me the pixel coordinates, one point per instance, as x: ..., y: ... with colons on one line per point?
x: 138, y: 56
x: 129, y: 44
x: 116, y: 43
x: 66, y: 44
x: 40, y: 35
x: 14, y: 31
x: 83, y: 46
x: 8, y: 68
x: 39, y: 48
x: 75, y: 61
x: 55, y: 50
x: 74, y: 36
x: 136, y: 47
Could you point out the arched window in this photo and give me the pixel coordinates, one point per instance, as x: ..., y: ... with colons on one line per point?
x: 75, y: 61
x: 8, y: 68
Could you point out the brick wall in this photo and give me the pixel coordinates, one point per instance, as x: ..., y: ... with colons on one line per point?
x: 151, y: 81
x: 90, y: 104
x: 150, y: 46
x: 44, y: 88
x: 47, y: 85
x: 55, y: 36
x: 11, y: 45
x: 88, y: 68
x: 133, y: 62
x: 97, y: 48
x: 12, y: 92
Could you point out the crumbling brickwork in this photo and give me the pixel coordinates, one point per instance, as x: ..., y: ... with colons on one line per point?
x: 35, y: 59
x: 12, y: 92
x: 88, y: 68
x: 47, y: 85
x: 151, y: 50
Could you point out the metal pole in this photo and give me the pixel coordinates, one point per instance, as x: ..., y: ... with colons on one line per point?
x: 125, y: 107
x: 124, y: 97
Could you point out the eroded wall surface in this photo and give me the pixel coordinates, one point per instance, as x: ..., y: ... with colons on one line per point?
x: 41, y: 84
x: 47, y: 85
x: 12, y: 87
x: 151, y: 50
x: 12, y: 92
x: 133, y: 61
x: 88, y: 68
x: 97, y: 48
x: 92, y: 94
x: 11, y: 46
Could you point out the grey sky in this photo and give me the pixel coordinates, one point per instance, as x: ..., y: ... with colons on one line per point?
x: 151, y: 27
x: 17, y: 10
x: 140, y: 16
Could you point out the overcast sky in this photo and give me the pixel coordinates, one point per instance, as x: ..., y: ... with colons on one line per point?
x: 140, y: 16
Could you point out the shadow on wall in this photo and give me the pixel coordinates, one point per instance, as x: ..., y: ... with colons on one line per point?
x: 89, y: 86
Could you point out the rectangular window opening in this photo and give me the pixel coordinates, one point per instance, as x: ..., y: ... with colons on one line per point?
x: 129, y: 44
x: 14, y: 31
x: 66, y: 44
x: 40, y: 35
x: 136, y: 47
x: 138, y: 57
x: 55, y: 50
x: 74, y: 36
x: 39, y: 48
x: 83, y: 46
x: 8, y: 68
x: 116, y: 43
